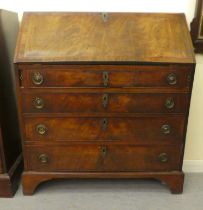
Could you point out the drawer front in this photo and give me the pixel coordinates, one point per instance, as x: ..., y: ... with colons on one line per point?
x: 39, y: 102
x: 103, y: 157
x: 140, y: 130
x: 105, y: 76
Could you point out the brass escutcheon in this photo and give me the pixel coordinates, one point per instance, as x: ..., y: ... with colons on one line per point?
x: 105, y: 100
x: 104, y: 124
x: 105, y: 78
x: 104, y: 16
x: 104, y: 151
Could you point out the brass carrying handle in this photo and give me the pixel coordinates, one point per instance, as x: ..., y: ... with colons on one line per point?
x: 172, y: 79
x: 165, y: 129
x: 105, y: 99
x: 169, y: 103
x: 37, y: 78
x: 38, y: 103
x: 105, y: 78
x: 104, y: 124
x: 104, y: 151
x: 41, y: 129
x: 163, y: 158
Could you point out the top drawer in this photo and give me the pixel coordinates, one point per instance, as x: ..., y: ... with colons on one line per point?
x: 106, y: 76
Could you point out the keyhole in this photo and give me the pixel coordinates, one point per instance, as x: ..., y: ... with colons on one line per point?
x: 104, y: 17
x: 104, y: 124
x: 104, y: 151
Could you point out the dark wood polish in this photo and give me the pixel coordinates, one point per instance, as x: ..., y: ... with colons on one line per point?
x: 89, y: 157
x: 104, y: 102
x: 105, y: 98
x: 119, y: 76
x: 137, y: 130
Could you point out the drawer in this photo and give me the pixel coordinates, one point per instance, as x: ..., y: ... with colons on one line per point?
x: 140, y: 130
x: 42, y: 102
x: 105, y: 76
x: 102, y: 157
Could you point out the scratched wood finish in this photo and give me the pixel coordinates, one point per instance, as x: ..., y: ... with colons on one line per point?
x: 142, y: 130
x: 119, y: 76
x: 91, y: 158
x: 62, y: 37
x: 97, y: 126
x: 111, y: 102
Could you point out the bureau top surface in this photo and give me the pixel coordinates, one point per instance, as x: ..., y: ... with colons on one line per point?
x: 104, y: 37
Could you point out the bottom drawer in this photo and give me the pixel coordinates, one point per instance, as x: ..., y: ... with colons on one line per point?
x: 87, y: 157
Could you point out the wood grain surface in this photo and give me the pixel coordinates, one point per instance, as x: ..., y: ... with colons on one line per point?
x: 92, y: 93
x: 118, y: 75
x: 90, y: 157
x: 105, y: 102
x: 137, y: 130
x: 86, y: 37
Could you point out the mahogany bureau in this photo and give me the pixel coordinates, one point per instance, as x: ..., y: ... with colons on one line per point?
x: 10, y: 144
x: 103, y: 95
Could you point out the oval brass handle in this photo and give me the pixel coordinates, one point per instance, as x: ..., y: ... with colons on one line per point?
x: 169, y: 103
x: 43, y: 158
x: 104, y: 124
x: 163, y: 158
x: 104, y: 151
x: 41, y: 129
x: 37, y: 78
x: 38, y: 103
x: 172, y: 79
x: 165, y: 129
x: 105, y: 99
x: 105, y: 78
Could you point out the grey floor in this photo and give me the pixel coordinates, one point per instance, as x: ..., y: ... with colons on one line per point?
x: 109, y: 195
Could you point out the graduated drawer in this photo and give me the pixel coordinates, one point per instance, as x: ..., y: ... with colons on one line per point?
x: 106, y: 76
x: 46, y: 102
x: 140, y: 130
x: 102, y: 157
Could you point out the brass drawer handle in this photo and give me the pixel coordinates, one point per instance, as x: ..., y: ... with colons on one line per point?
x: 37, y: 78
x: 104, y: 151
x: 104, y: 124
x: 105, y: 99
x: 172, y: 79
x: 43, y: 158
x: 41, y: 129
x: 163, y: 158
x: 165, y: 129
x: 169, y: 104
x: 38, y: 103
x: 105, y: 78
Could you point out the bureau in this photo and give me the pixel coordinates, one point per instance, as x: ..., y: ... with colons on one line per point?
x: 103, y: 95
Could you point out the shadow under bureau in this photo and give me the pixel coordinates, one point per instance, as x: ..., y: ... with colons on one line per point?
x: 103, y: 95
